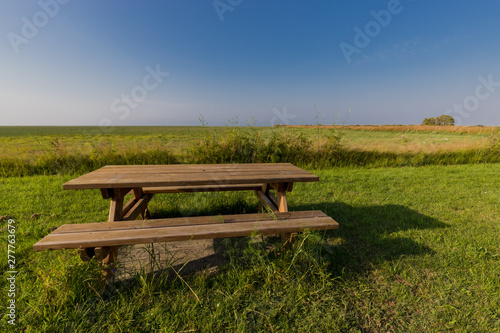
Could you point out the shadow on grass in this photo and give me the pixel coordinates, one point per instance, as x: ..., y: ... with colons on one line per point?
x: 368, y: 235
x: 219, y: 205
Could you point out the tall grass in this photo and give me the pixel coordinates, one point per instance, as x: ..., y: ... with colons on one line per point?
x: 236, y: 146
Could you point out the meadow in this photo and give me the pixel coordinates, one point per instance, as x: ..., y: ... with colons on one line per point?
x: 55, y: 150
x: 417, y: 249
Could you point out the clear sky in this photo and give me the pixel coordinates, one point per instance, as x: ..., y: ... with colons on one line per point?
x: 75, y: 62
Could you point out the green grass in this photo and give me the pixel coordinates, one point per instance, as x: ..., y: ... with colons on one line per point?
x: 417, y: 251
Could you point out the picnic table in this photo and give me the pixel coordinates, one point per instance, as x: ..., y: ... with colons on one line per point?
x: 115, y: 181
x: 144, y: 181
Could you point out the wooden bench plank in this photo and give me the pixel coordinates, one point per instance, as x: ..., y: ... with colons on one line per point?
x: 184, y: 221
x: 141, y: 232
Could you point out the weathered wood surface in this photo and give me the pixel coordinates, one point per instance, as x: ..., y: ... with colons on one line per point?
x: 134, y: 176
x: 106, y: 234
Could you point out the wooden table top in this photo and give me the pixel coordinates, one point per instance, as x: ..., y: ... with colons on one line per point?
x: 131, y: 176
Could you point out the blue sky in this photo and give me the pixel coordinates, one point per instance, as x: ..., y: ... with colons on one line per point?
x: 114, y: 63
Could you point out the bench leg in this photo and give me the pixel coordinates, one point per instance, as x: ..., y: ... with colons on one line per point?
x: 107, y: 254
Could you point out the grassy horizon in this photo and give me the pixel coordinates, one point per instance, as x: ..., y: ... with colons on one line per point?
x: 48, y: 150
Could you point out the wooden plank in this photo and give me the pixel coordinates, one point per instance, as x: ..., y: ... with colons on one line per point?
x: 117, y: 176
x: 181, y: 233
x: 273, y: 199
x: 138, y: 192
x: 128, y: 206
x: 183, y: 173
x: 194, y: 168
x: 116, y: 209
x: 282, y: 203
x: 285, y: 186
x: 174, y: 179
x: 106, y: 193
x: 163, y: 180
x: 183, y: 221
x: 139, y: 207
x: 200, y: 167
x: 189, y: 175
x: 264, y: 199
x: 204, y: 188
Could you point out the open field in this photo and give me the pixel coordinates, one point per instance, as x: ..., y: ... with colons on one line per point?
x: 47, y: 150
x: 411, y: 138
x: 417, y: 251
x: 384, y: 138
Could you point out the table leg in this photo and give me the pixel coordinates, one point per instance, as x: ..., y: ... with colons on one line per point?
x: 107, y: 255
x: 281, y: 202
x: 120, y: 212
x: 288, y: 239
x: 116, y: 205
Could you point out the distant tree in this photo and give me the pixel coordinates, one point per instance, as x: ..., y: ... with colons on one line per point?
x: 442, y: 120
x: 445, y: 120
x: 429, y: 121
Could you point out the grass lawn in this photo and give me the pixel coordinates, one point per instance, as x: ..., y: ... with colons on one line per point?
x: 417, y: 251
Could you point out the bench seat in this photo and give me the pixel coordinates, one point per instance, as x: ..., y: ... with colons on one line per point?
x: 91, y: 235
